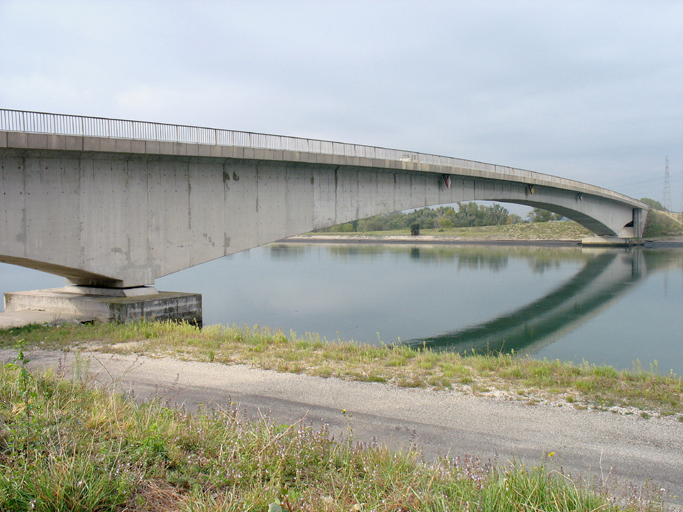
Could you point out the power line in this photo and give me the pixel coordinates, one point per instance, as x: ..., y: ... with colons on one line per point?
x: 666, y: 193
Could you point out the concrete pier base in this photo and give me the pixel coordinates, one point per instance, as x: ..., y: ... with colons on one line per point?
x: 610, y: 241
x: 82, y: 303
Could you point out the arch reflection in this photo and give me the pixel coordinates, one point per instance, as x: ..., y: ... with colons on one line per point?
x: 607, y: 276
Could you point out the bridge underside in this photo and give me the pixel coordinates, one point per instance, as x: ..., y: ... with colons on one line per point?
x: 123, y: 220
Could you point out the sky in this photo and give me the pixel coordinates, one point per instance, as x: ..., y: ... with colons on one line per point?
x: 591, y: 91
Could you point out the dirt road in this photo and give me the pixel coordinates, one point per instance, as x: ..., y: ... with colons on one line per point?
x: 601, y: 445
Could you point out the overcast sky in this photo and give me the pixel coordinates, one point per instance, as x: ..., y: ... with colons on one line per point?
x: 591, y: 91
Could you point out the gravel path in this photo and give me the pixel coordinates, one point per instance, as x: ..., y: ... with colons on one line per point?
x: 593, y: 444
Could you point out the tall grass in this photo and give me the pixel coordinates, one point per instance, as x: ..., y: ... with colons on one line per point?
x: 81, y: 449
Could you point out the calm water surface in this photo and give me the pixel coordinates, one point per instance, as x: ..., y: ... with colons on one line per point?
x: 615, y: 306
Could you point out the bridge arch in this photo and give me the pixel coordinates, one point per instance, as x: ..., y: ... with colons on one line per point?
x: 569, y: 207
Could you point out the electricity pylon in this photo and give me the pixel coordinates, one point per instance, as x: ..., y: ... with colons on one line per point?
x: 666, y: 193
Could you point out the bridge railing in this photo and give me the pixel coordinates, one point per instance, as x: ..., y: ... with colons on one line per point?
x: 63, y: 124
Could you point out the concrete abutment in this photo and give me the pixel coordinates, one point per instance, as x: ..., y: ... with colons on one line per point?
x: 84, y: 304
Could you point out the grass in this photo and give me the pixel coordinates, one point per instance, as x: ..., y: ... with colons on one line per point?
x: 663, y: 225
x: 65, y: 446
x: 581, y: 385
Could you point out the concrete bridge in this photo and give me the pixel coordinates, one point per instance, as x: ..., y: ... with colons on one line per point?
x: 117, y: 204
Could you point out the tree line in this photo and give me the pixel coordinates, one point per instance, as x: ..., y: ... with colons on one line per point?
x: 653, y: 203
x: 443, y: 217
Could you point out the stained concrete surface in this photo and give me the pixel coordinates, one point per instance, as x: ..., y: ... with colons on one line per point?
x: 597, y: 445
x: 120, y: 218
x: 83, y: 304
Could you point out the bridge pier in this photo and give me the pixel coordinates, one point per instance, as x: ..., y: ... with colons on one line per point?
x: 86, y: 304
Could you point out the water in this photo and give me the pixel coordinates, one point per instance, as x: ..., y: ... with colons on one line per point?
x: 605, y: 306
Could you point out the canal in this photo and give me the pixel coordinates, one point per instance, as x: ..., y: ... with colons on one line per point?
x: 604, y: 306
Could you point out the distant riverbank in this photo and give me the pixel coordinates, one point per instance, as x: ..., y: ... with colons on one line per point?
x: 662, y: 229
x: 357, y: 238
x: 566, y: 232
x: 333, y: 238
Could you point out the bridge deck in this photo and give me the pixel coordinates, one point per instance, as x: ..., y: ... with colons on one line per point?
x: 38, y: 130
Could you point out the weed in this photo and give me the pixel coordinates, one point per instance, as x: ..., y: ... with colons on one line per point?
x: 94, y: 451
x: 22, y: 408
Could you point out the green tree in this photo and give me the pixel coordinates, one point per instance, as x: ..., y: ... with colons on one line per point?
x: 467, y: 215
x: 425, y: 217
x: 341, y: 228
x: 652, y: 203
x: 541, y: 215
x: 445, y: 222
x: 494, y: 215
x: 376, y: 223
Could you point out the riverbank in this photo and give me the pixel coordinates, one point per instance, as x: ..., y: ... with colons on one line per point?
x: 663, y: 228
x: 564, y: 232
x: 377, y: 238
x: 68, y: 446
x: 427, y: 240
x: 640, y: 391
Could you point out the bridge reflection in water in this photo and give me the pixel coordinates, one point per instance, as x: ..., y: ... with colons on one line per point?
x: 607, y: 276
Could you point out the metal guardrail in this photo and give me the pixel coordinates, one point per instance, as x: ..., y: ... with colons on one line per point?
x: 63, y: 124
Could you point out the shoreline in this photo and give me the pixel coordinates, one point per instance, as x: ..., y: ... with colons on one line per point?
x: 437, y: 423
x: 447, y: 240
x: 420, y: 240
x: 600, y: 387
